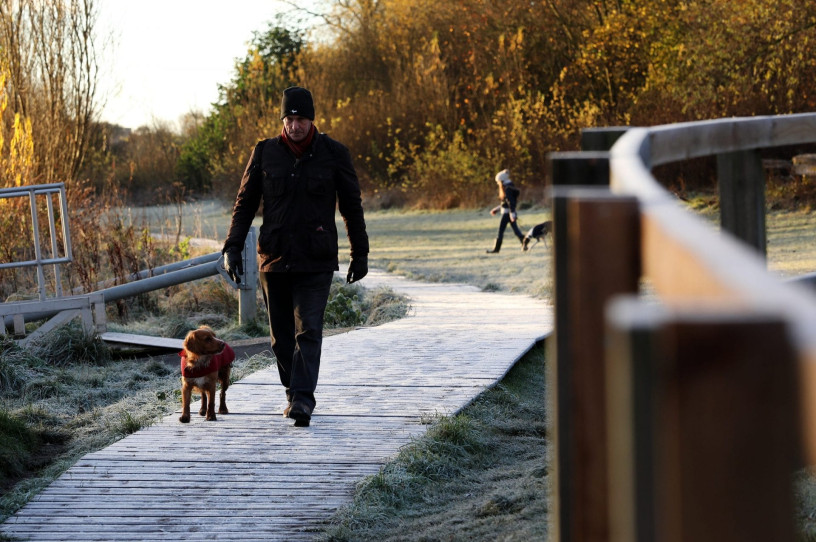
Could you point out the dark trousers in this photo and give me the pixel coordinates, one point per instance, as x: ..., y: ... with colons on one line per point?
x: 296, y: 303
x: 505, y: 220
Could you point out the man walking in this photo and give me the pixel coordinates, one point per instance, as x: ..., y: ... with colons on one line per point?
x: 300, y: 176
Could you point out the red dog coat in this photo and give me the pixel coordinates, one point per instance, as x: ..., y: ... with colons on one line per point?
x: 222, y: 359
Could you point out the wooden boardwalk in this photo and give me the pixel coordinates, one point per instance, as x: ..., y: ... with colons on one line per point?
x: 252, y: 475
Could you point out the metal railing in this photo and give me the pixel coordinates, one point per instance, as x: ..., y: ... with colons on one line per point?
x: 40, y: 261
x: 90, y: 307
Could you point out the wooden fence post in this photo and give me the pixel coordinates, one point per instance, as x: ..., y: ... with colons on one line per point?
x: 596, y: 257
x: 565, y: 169
x: 630, y: 365
x: 704, y: 406
x: 578, y: 168
x: 741, y: 182
x: 601, y: 138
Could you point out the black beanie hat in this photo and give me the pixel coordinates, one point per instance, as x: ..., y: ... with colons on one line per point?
x: 297, y: 101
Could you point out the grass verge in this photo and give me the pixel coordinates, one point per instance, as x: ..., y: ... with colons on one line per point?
x: 479, y: 475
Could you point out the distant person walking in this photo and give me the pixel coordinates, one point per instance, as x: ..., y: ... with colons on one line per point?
x: 508, y: 197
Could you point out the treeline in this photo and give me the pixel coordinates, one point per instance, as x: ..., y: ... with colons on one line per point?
x: 434, y: 97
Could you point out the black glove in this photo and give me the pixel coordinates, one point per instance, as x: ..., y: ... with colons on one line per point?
x: 234, y: 264
x: 358, y: 268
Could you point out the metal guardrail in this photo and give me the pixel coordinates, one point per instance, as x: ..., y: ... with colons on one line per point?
x: 90, y: 307
x: 31, y: 192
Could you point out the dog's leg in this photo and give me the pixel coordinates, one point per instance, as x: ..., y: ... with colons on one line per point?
x: 203, y: 410
x: 211, y: 403
x: 186, y: 390
x: 223, y: 377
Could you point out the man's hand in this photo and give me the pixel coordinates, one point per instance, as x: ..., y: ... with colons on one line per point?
x: 234, y: 264
x: 358, y: 268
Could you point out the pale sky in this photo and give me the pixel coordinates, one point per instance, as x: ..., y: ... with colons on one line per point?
x: 170, y: 55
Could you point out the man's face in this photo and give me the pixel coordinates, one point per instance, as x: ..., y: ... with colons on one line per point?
x: 297, y: 127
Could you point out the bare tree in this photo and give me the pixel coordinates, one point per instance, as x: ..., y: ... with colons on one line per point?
x: 53, y: 72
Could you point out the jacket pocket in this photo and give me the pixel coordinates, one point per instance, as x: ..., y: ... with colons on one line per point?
x: 269, y: 242
x: 323, y: 243
x: 320, y: 183
x: 274, y: 185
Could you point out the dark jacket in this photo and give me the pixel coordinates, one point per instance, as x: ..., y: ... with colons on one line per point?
x: 508, y: 202
x: 511, y: 194
x: 299, y: 197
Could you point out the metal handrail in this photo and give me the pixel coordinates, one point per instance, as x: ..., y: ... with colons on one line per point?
x: 39, y: 260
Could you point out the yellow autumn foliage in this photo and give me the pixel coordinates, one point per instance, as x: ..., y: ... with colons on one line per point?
x: 16, y: 143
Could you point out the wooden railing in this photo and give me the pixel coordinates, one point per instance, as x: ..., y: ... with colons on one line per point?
x: 684, y: 372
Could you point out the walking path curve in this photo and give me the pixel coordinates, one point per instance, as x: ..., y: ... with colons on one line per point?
x: 252, y: 475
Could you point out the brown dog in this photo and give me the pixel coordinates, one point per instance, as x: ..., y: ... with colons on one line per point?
x: 205, y: 360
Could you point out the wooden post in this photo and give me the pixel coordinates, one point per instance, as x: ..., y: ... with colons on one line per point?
x: 578, y: 168
x: 597, y: 256
x: 561, y: 377
x: 704, y: 406
x: 601, y: 138
x: 741, y: 182
x: 565, y: 169
x: 630, y: 364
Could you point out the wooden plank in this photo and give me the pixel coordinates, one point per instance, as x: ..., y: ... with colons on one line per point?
x: 681, y: 141
x: 142, y: 340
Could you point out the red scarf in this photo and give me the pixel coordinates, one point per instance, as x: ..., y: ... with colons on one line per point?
x: 299, y: 148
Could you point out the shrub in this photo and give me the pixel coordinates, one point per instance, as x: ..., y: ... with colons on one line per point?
x: 70, y: 344
x: 17, y: 442
x: 207, y: 295
x: 385, y: 306
x: 342, y: 309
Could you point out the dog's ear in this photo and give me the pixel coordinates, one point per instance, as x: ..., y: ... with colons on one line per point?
x: 203, y: 341
x: 189, y: 338
x: 197, y: 339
